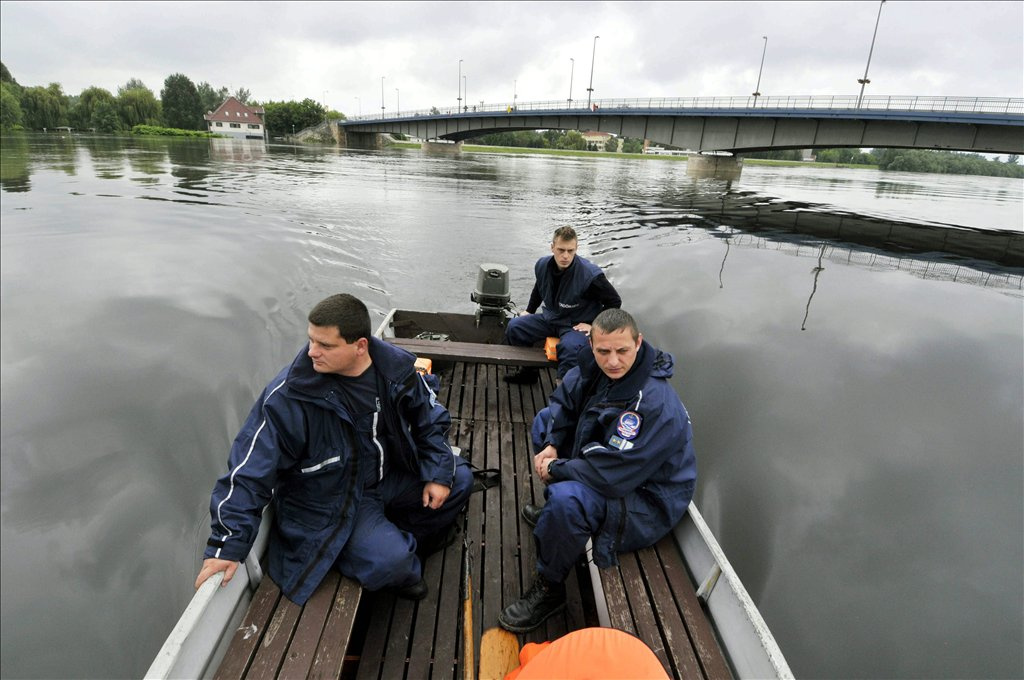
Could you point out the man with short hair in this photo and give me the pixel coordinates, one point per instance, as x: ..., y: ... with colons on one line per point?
x: 615, y: 448
x: 573, y: 291
x: 349, y: 445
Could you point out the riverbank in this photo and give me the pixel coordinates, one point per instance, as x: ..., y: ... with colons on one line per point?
x: 478, y: 148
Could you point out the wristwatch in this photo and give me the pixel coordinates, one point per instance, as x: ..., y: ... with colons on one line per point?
x: 553, y: 461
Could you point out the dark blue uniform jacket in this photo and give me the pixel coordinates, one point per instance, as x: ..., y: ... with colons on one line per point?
x: 630, y: 440
x: 568, y: 307
x: 297, y: 450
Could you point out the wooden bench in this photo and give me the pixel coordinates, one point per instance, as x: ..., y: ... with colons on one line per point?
x: 650, y: 595
x: 443, y: 350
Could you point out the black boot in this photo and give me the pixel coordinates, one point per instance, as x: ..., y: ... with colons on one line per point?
x: 542, y: 600
x: 416, y: 591
x: 531, y: 513
x: 527, y: 375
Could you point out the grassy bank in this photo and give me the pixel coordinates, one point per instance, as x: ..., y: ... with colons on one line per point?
x: 477, y: 148
x: 156, y: 130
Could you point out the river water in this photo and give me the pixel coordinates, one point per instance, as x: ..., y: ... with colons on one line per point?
x: 858, y: 406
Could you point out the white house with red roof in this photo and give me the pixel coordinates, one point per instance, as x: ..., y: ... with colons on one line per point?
x: 598, y: 139
x: 235, y: 119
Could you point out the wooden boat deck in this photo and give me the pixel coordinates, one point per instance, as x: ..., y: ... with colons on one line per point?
x: 343, y: 632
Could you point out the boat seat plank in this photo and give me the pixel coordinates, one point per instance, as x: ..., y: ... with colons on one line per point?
x: 330, y: 653
x: 443, y: 350
x: 276, y: 639
x: 650, y: 595
x: 310, y: 629
x: 242, y: 648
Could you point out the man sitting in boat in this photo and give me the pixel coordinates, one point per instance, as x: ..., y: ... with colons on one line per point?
x: 574, y: 290
x: 615, y: 449
x: 350, y: 445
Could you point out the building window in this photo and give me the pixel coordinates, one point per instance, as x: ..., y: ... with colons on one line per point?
x: 220, y: 124
x: 235, y: 125
x: 246, y: 114
x: 253, y: 127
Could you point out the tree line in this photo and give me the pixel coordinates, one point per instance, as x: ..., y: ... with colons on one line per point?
x: 907, y: 160
x: 571, y: 140
x: 181, y: 104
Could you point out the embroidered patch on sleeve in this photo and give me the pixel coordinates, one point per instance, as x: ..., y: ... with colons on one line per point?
x: 629, y: 425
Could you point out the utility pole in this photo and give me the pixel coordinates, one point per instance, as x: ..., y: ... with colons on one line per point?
x: 459, y: 108
x: 382, y: 97
x: 572, y: 67
x: 592, y: 54
x: 864, y: 81
x: 757, y: 90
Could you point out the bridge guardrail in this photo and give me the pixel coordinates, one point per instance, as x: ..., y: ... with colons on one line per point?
x: 980, y: 105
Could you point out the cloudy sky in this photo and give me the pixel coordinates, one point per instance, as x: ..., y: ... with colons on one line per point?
x: 338, y: 52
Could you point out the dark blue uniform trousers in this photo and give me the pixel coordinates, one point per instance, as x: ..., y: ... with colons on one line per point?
x: 390, y: 519
x: 572, y: 514
x: 524, y: 331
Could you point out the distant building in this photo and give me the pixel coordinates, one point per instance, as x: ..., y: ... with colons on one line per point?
x: 597, y: 139
x: 235, y: 119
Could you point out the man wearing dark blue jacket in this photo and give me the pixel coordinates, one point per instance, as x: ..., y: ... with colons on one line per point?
x: 349, y: 446
x: 615, y: 448
x: 573, y: 290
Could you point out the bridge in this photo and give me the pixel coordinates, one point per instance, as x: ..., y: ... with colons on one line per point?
x: 734, y: 125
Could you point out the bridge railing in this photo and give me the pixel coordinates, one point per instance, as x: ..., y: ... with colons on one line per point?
x: 981, y: 105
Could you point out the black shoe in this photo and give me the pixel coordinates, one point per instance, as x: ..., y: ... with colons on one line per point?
x: 531, y: 513
x: 542, y: 600
x: 417, y: 591
x: 524, y: 376
x: 439, y: 541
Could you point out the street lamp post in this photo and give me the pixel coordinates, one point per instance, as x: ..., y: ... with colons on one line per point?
x: 514, y: 95
x: 864, y: 81
x: 465, y: 93
x: 382, y: 97
x: 572, y: 67
x: 459, y: 108
x: 757, y: 90
x: 592, y: 54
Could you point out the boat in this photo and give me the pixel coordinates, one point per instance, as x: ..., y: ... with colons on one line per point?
x: 681, y: 597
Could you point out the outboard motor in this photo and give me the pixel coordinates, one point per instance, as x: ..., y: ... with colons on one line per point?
x: 492, y: 294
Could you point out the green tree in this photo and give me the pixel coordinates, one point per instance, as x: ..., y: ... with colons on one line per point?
x: 573, y: 140
x: 632, y: 145
x: 243, y: 95
x: 105, y: 117
x: 283, y: 117
x: 210, y: 98
x: 41, y: 108
x: 138, y: 106
x: 10, y: 107
x: 81, y: 114
x: 132, y: 84
x: 5, y: 75
x: 181, y: 106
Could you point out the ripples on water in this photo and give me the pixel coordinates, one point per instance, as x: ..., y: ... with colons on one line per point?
x: 858, y: 405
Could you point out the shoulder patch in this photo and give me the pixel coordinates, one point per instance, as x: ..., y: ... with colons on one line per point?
x: 629, y: 425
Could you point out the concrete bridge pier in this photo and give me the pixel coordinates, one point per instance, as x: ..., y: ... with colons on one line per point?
x: 361, y: 140
x: 441, y: 147
x: 708, y: 166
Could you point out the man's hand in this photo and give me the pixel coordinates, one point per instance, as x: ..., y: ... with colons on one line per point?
x: 211, y: 566
x: 541, y: 460
x: 434, y: 495
x: 582, y: 328
x: 523, y: 312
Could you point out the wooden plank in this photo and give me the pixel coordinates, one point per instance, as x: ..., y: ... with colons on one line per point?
x: 640, y: 604
x: 619, y: 614
x: 381, y: 605
x: 247, y: 637
x: 275, y: 641
x: 396, y: 655
x: 493, y: 568
x: 493, y: 412
x: 511, y: 587
x: 673, y: 630
x: 299, y: 657
x: 425, y: 619
x: 507, y: 355
x: 709, y: 653
x: 480, y: 392
x: 447, y: 638
x: 330, y: 654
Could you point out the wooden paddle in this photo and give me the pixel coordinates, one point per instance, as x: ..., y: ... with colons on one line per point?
x: 467, y: 614
x: 499, y: 653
